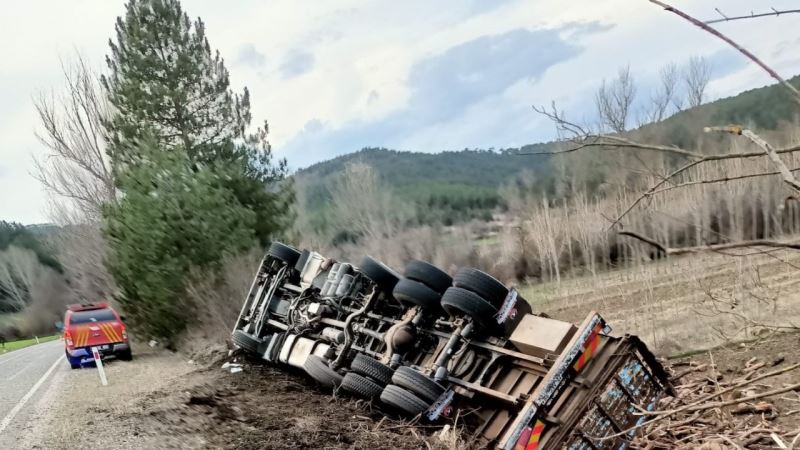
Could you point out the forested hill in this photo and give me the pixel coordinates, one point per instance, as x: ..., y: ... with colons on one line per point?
x: 453, y: 184
x: 457, y: 185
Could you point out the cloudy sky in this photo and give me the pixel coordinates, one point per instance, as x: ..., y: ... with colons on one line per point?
x: 412, y: 75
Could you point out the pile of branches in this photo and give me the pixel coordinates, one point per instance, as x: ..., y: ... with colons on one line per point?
x: 716, y: 411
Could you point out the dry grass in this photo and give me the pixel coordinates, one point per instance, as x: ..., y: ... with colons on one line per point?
x: 684, y: 303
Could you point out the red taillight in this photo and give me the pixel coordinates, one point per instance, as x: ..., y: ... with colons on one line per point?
x: 124, y: 332
x: 68, y: 338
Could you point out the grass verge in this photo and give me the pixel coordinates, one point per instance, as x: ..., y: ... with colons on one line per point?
x: 22, y: 343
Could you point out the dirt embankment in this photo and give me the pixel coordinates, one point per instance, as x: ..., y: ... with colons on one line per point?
x: 161, y: 400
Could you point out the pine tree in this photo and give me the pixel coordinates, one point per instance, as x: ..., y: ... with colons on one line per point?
x: 194, y: 184
x: 172, y: 219
x: 164, y: 78
x: 166, y: 82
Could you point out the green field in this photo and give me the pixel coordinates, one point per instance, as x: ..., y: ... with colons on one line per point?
x: 16, y: 345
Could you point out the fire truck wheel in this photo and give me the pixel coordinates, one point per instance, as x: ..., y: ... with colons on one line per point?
x: 372, y: 368
x: 361, y: 386
x: 420, y: 385
x: 482, y: 284
x: 285, y: 253
x: 428, y: 274
x: 321, y: 372
x: 416, y: 293
x: 461, y: 302
x: 403, y: 401
x: 379, y: 273
x: 245, y: 341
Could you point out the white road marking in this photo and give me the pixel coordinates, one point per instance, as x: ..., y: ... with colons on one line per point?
x: 18, y: 407
x: 11, y: 358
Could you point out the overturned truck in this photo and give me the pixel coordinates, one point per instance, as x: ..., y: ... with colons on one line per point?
x: 426, y: 345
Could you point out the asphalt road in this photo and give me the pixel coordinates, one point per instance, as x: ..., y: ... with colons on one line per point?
x: 25, y: 377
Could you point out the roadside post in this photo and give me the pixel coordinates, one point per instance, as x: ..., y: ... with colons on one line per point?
x: 99, y: 363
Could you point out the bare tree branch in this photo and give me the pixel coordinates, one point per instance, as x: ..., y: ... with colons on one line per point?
x: 742, y: 50
x: 719, y: 180
x: 786, y: 174
x: 712, y: 247
x: 725, y: 18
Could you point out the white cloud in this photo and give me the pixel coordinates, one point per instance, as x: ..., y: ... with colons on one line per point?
x: 344, y: 65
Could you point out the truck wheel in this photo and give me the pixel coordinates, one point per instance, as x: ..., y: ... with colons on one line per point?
x: 285, y: 253
x: 321, y: 372
x: 361, y: 386
x: 416, y: 293
x: 404, y: 401
x: 245, y: 341
x: 457, y: 301
x: 482, y: 284
x: 369, y: 367
x: 127, y: 355
x: 429, y: 275
x: 379, y: 273
x: 420, y: 385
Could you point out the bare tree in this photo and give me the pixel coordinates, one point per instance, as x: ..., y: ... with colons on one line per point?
x: 76, y: 172
x: 614, y: 100
x: 666, y: 96
x: 76, y: 168
x: 696, y: 76
x: 362, y: 205
x: 19, y: 271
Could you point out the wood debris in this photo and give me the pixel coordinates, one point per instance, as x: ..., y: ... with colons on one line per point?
x: 716, y: 411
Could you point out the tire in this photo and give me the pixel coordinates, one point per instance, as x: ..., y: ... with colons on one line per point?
x: 361, y: 386
x: 404, y: 401
x: 416, y: 293
x: 379, y: 273
x: 285, y: 253
x: 372, y: 368
x: 417, y: 383
x: 458, y: 301
x: 301, y: 262
x: 321, y: 372
x: 74, y: 363
x: 127, y: 355
x: 429, y: 275
x: 482, y: 284
x: 246, y: 342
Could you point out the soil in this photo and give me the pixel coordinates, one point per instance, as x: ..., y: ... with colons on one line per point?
x: 161, y: 400
x: 165, y: 400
